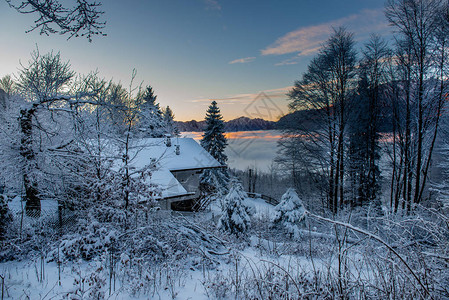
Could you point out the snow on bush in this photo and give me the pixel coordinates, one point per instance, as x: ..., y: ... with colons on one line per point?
x: 93, y: 240
x: 235, y: 218
x: 290, y: 212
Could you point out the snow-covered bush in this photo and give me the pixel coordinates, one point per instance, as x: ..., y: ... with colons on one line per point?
x: 235, y: 218
x: 90, y: 242
x: 290, y: 212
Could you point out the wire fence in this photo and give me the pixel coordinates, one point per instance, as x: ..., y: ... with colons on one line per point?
x: 51, y: 219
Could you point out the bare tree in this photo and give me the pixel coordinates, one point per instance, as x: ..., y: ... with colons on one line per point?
x: 41, y: 84
x: 422, y: 33
x: 326, y: 88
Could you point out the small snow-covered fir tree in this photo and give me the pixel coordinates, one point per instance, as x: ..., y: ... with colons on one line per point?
x: 151, y: 120
x: 235, y: 218
x: 290, y: 212
x: 214, y: 182
x: 214, y: 141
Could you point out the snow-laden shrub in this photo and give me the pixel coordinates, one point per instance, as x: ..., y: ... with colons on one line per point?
x: 290, y: 212
x: 93, y: 240
x: 235, y: 218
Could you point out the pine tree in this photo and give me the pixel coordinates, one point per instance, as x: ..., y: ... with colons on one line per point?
x: 235, y: 218
x: 364, y: 150
x: 151, y: 120
x: 169, y: 122
x: 214, y: 141
x: 290, y: 212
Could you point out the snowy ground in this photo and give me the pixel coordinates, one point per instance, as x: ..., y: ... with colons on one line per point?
x: 42, y: 278
x: 39, y: 279
x: 26, y: 280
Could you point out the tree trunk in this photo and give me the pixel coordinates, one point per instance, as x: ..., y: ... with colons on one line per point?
x: 32, y: 197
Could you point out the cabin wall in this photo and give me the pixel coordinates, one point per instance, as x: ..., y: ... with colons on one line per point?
x: 190, y: 180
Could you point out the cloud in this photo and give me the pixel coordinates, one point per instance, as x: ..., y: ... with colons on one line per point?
x: 308, y: 40
x: 273, y: 94
x: 212, y: 5
x: 242, y: 60
x: 287, y: 62
x: 267, y: 104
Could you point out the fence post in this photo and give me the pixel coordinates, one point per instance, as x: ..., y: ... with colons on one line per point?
x: 111, y: 267
x: 60, y: 217
x: 3, y: 285
x: 59, y: 267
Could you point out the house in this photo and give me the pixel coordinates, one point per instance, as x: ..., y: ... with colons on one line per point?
x: 179, y: 164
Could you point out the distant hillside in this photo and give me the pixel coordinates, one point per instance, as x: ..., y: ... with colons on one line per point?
x: 302, y: 119
x: 246, y: 124
x: 312, y: 119
x: 239, y: 124
x: 191, y: 125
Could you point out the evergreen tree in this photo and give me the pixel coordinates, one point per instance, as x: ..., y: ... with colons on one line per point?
x: 8, y: 85
x: 5, y: 217
x: 169, y: 122
x: 214, y: 141
x: 235, y: 218
x: 364, y: 150
x: 151, y: 119
x: 290, y: 212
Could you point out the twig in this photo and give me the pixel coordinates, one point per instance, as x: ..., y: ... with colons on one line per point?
x: 380, y: 240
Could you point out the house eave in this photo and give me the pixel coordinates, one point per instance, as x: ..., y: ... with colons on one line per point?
x: 196, y: 169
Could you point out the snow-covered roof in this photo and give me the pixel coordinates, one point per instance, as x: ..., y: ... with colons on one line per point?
x: 191, y: 155
x: 168, y: 183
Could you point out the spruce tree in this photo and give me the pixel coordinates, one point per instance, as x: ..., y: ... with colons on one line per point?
x: 169, y: 122
x: 290, y: 212
x: 214, y: 141
x: 235, y: 218
x: 364, y: 127
x: 151, y: 122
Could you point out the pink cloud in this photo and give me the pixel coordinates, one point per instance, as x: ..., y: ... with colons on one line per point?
x: 308, y: 40
x: 242, y: 60
x: 279, y: 93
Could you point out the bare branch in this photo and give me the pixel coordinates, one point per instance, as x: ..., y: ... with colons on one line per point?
x: 83, y: 19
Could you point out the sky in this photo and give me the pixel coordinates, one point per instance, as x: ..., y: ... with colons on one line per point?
x: 244, y: 54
